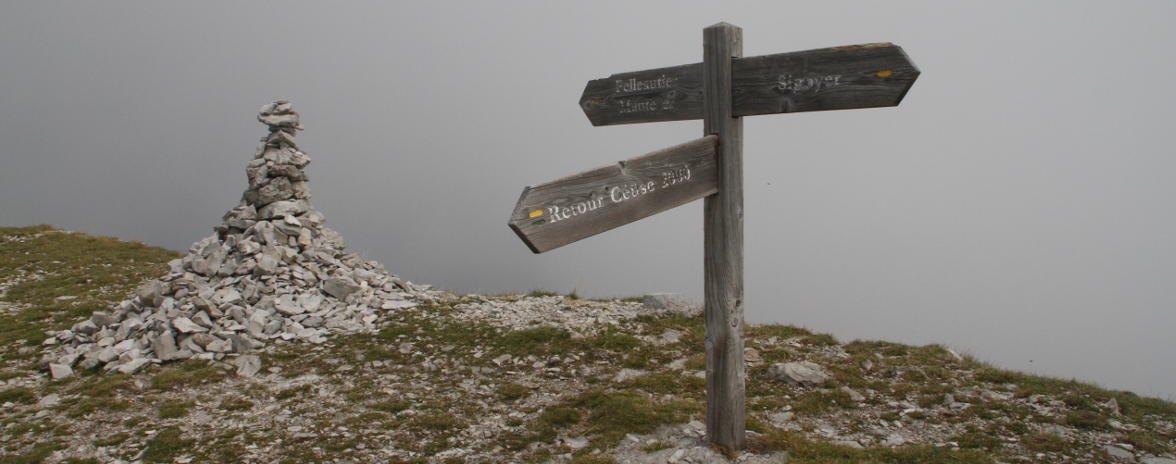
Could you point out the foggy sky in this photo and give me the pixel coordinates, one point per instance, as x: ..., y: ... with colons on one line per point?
x: 1017, y: 206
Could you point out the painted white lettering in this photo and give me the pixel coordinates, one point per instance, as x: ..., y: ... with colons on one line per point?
x: 633, y: 85
x: 812, y: 82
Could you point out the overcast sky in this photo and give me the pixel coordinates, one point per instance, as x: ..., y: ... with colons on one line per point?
x: 1017, y: 206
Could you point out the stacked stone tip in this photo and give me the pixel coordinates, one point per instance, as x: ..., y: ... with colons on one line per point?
x: 272, y: 271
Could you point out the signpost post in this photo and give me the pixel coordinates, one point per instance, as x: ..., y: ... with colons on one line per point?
x: 723, y: 243
x: 720, y: 90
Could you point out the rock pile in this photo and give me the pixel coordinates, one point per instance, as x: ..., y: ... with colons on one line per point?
x: 270, y: 271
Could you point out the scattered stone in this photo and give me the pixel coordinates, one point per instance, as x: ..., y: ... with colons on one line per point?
x: 393, y: 304
x: 165, y: 346
x: 576, y: 443
x: 853, y: 394
x: 783, y: 416
x: 59, y: 371
x: 49, y: 400
x: 581, y: 317
x: 134, y: 365
x: 1119, y: 453
x: 664, y: 301
x: 751, y: 355
x: 1112, y: 405
x: 801, y: 373
x: 247, y: 365
x: 668, y: 337
x: 150, y: 292
x: 340, y: 288
x: 186, y: 325
x: 627, y: 374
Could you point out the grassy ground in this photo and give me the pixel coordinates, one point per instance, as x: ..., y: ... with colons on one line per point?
x: 427, y: 384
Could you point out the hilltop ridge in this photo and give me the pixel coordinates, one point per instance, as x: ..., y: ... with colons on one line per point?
x: 536, y: 377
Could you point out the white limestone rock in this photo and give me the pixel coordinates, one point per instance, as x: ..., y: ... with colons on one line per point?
x: 59, y: 371
x: 278, y: 209
x: 165, y: 346
x: 1119, y: 453
x: 185, y: 325
x: 340, y: 288
x: 801, y: 373
x: 134, y: 365
x: 247, y: 365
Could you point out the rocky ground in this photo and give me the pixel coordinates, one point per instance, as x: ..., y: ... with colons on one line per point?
x: 518, y: 378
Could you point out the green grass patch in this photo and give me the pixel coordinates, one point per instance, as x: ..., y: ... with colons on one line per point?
x: 558, y: 416
x: 293, y: 392
x: 820, y: 340
x: 538, y: 341
x: 166, y: 445
x: 391, y: 406
x: 103, y: 386
x: 112, y: 440
x: 975, y: 438
x: 18, y: 395
x: 436, y: 420
x: 1044, y: 442
x: 1148, y: 441
x: 236, y: 404
x: 592, y: 459
x: 801, y: 450
x: 188, y: 373
x: 511, y: 391
x: 764, y: 331
x: 886, y: 349
x: 174, y: 409
x: 28, y: 231
x: 611, y: 415
x: 818, y: 402
x: 38, y: 454
x: 85, y: 406
x: 1087, y: 420
x: 671, y: 383
x: 656, y: 446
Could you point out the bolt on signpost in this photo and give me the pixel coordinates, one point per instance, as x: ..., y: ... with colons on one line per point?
x: 720, y: 90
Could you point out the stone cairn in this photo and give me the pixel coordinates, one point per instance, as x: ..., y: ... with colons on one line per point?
x: 271, y: 271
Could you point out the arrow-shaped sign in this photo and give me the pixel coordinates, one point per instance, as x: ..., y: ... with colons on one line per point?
x: 563, y: 211
x: 838, y: 78
x: 721, y: 89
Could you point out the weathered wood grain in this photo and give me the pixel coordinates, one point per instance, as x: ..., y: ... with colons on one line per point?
x: 723, y: 243
x: 860, y: 76
x: 621, y: 99
x: 562, y: 211
x: 838, y: 78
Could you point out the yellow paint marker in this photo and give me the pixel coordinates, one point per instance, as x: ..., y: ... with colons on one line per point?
x: 885, y: 73
x: 536, y: 213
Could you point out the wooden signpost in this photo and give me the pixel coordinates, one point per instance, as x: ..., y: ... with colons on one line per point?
x: 581, y: 205
x: 720, y: 90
